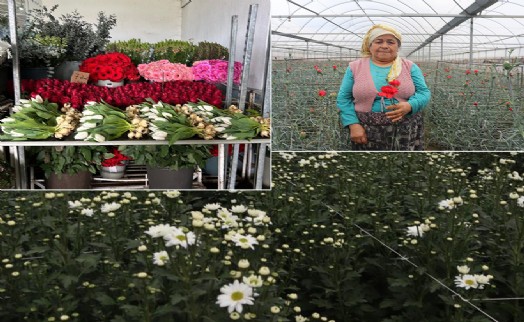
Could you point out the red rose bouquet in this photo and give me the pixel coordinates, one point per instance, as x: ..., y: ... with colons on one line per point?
x: 112, y: 66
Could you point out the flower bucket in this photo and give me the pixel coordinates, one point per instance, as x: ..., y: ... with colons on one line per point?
x: 65, y: 70
x: 80, y: 180
x: 113, y: 172
x: 165, y: 178
x: 109, y: 83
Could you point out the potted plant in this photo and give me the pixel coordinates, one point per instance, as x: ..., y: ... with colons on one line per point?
x: 114, y: 164
x: 68, y: 167
x: 79, y: 38
x: 169, y: 167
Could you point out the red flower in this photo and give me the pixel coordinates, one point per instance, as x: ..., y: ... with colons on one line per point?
x: 322, y: 93
x: 334, y: 67
x: 388, y: 91
x: 395, y: 83
x: 449, y: 76
x: 476, y: 71
x: 468, y: 71
x: 475, y: 103
x: 115, y: 160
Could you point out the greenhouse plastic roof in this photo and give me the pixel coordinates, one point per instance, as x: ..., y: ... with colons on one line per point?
x: 430, y: 29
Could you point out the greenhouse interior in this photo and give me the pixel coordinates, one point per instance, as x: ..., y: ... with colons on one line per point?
x: 470, y: 53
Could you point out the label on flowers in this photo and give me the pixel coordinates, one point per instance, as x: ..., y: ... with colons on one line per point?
x: 79, y: 77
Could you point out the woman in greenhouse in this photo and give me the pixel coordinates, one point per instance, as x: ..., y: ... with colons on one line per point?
x: 382, y: 95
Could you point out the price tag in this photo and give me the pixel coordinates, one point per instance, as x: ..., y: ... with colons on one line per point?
x: 79, y: 77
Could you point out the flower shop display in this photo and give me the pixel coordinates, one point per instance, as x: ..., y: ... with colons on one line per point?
x: 215, y: 71
x: 113, y: 165
x: 176, y: 92
x: 38, y: 119
x: 111, y: 68
x: 164, y: 71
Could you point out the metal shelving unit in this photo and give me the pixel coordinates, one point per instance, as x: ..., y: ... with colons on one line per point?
x: 253, y: 147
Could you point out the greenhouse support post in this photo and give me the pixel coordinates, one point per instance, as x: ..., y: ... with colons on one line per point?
x: 248, y: 49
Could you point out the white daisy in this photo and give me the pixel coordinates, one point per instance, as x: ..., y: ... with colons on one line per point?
x: 75, y: 204
x: 253, y: 280
x: 160, y: 258
x: 235, y: 295
x: 177, y: 237
x: 88, y: 212
x: 239, y: 209
x: 466, y: 281
x: 520, y: 201
x: 415, y: 231
x: 110, y: 207
x: 159, y: 230
x: 244, y: 241
x: 464, y: 269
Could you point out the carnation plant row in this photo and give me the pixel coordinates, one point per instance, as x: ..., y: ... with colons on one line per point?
x: 38, y: 119
x: 382, y: 237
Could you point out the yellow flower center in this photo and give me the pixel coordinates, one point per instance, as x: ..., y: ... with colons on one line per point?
x: 181, y: 237
x: 243, y: 240
x: 237, y: 296
x: 470, y: 282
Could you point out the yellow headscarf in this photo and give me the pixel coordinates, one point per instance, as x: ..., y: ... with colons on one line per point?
x: 372, y: 34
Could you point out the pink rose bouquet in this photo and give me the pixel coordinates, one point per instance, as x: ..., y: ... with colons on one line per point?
x: 215, y: 71
x: 165, y: 71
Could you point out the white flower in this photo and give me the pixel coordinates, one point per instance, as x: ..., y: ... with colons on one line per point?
x: 244, y: 241
x: 212, y: 206
x: 239, y: 209
x: 99, y: 138
x: 482, y: 280
x: 446, y: 204
x: 159, y: 135
x: 87, y: 212
x: 8, y: 120
x: 253, y: 280
x: 159, y: 230
x: 171, y: 193
x: 520, y: 201
x: 300, y: 318
x: 81, y: 136
x: 37, y: 99
x: 160, y: 258
x: 109, y: 207
x: 74, y: 204
x: 415, y: 231
x: 235, y: 295
x: 464, y: 269
x: 466, y: 281
x: 177, y: 237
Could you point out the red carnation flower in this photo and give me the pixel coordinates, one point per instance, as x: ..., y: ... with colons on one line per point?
x: 322, y: 93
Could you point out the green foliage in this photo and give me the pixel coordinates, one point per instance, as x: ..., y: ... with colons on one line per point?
x: 175, y: 51
x: 139, y: 52
x: 68, y: 159
x: 210, y: 50
x: 165, y: 156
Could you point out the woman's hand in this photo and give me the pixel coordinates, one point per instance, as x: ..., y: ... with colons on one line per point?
x: 357, y: 134
x: 398, y: 111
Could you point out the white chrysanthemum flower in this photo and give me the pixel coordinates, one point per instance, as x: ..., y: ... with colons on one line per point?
x: 239, y: 209
x: 223, y: 213
x: 244, y: 241
x: 415, y: 231
x: 466, y: 281
x: 212, y: 206
x: 464, y: 269
x: 109, y: 207
x: 172, y: 193
x: 177, y: 237
x: 160, y: 258
x: 482, y: 280
x: 304, y: 162
x: 446, y: 204
x: 520, y: 201
x: 253, y: 280
x: 235, y: 295
x: 75, y: 204
x: 160, y: 230
x: 87, y: 212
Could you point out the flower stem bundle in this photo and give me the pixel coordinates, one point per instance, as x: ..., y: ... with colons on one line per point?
x: 101, y: 122
x: 37, y: 119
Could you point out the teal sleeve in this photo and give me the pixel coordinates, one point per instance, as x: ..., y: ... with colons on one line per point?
x: 345, y: 103
x: 422, y: 95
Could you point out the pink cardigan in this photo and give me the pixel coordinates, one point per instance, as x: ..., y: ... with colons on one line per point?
x: 364, y: 90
